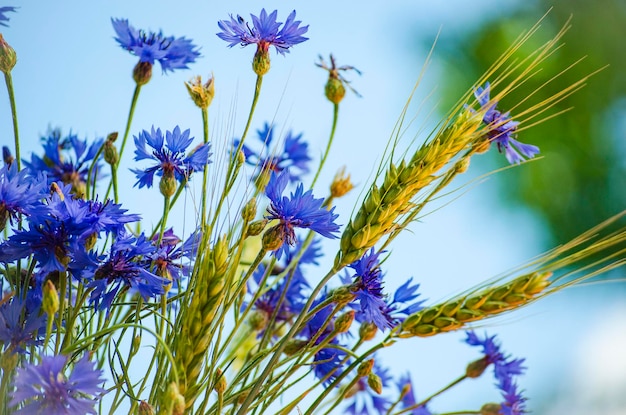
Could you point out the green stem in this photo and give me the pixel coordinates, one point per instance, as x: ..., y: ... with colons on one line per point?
x: 425, y: 401
x: 205, y: 130
x: 114, y: 181
x: 330, y: 143
x: 9, y: 81
x: 166, y: 211
x: 230, y: 174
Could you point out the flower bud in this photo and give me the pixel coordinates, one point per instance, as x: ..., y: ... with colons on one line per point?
x: 110, y: 151
x: 365, y: 368
x: 50, y: 301
x: 341, y: 184
x: 367, y: 331
x: 375, y: 383
x: 255, y: 228
x: 477, y: 368
x: 201, y: 94
x: 145, y: 408
x: 134, y: 347
x: 8, y: 57
x: 142, y: 73
x: 491, y: 409
x: 294, y: 346
x: 344, y: 321
x: 220, y: 382
x: 261, y: 61
x: 167, y: 185
x: 7, y: 157
x: 342, y: 295
x: 258, y: 320
x: 249, y: 210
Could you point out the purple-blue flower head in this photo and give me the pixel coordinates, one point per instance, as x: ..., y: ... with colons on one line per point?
x: 19, y: 327
x: 123, y: 269
x: 265, y: 31
x: 20, y: 193
x: 502, y: 129
x: 171, y: 52
x: 173, y: 260
x: 4, y: 18
x: 300, y: 210
x: 45, y: 388
x: 505, y: 370
x: 59, y: 164
x: 169, y: 154
x: 294, y: 155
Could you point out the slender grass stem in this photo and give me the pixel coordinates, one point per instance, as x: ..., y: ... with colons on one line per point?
x: 330, y: 143
x: 205, y: 136
x: 9, y: 81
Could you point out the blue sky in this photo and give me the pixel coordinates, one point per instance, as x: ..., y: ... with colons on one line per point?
x: 71, y: 74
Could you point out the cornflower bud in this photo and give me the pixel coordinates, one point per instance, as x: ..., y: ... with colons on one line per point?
x: 249, y: 210
x: 220, y: 382
x: 142, y: 73
x: 375, y: 383
x: 335, y: 88
x: 342, y: 295
x: 258, y: 320
x: 255, y: 228
x: 490, y: 409
x: 110, y: 151
x: 7, y: 157
x: 50, y: 301
x: 367, y: 331
x: 365, y: 368
x: 8, y: 57
x: 273, y: 238
x: 167, y: 185
x: 294, y: 346
x: 201, y: 94
x: 344, y: 321
x: 261, y: 61
x: 145, y: 408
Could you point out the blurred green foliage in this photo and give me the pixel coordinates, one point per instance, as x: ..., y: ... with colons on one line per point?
x: 582, y: 179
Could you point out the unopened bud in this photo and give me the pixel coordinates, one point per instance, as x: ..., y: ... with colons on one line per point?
x: 134, y: 348
x: 491, y: 409
x: 294, y: 346
x: 365, y: 368
x: 334, y: 89
x: 477, y: 368
x: 341, y: 184
x: 110, y: 153
x: 256, y: 227
x: 367, y: 331
x: 145, y: 408
x: 50, y: 301
x: 375, y: 383
x: 258, y: 320
x: 220, y: 382
x: 8, y: 57
x: 342, y: 295
x: 142, y: 73
x: 7, y: 157
x: 344, y: 321
x: 249, y: 210
x: 201, y: 94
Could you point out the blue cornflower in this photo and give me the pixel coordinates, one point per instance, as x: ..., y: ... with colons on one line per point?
x: 264, y: 31
x: 505, y: 369
x: 408, y: 396
x: 171, y: 52
x: 123, y: 269
x: 20, y: 193
x: 365, y: 400
x: 19, y: 326
x: 502, y: 129
x: 108, y: 216
x: 368, y: 287
x: 3, y: 18
x: 167, y: 259
x: 46, y: 389
x: 403, y: 302
x: 60, y: 165
x: 169, y: 153
x: 301, y: 210
x: 294, y: 154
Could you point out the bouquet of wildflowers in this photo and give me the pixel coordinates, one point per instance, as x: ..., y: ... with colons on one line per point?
x: 102, y: 313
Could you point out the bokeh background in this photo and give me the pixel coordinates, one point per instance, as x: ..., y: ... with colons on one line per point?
x: 72, y: 75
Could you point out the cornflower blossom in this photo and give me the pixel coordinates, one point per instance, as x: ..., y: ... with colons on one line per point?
x: 264, y: 32
x: 505, y: 369
x: 169, y: 154
x: 366, y: 401
x: 19, y: 326
x: 4, y: 18
x: 405, y: 385
x: 45, y: 388
x: 293, y: 155
x: 502, y: 129
x: 171, y: 52
x: 368, y: 287
x: 167, y: 258
x: 107, y: 216
x: 123, y: 269
x: 20, y: 193
x: 403, y: 303
x: 300, y: 210
x: 60, y: 165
